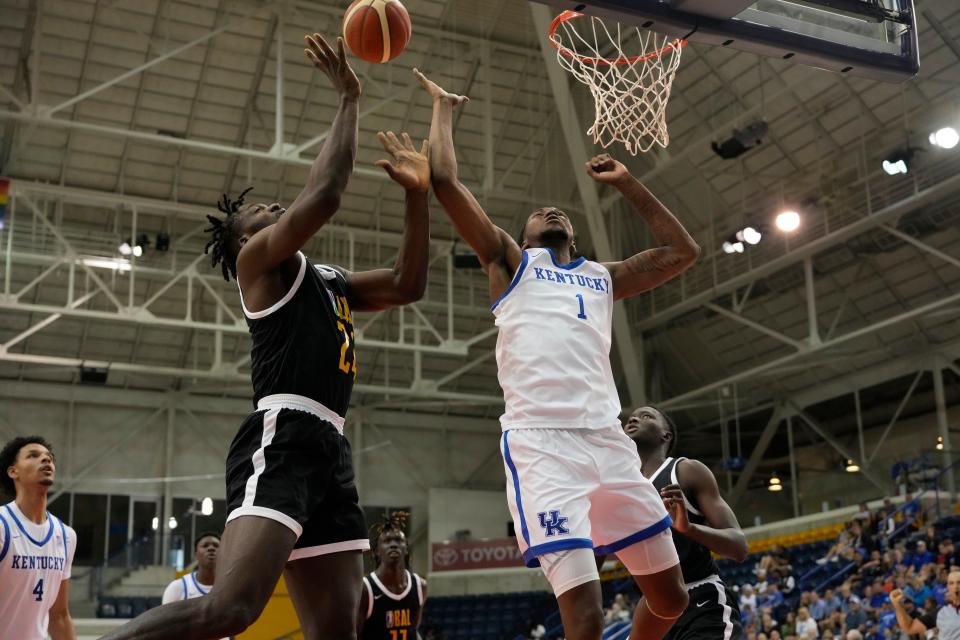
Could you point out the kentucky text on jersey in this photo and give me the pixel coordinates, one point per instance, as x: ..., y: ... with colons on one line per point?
x: 32, y: 563
x: 596, y: 284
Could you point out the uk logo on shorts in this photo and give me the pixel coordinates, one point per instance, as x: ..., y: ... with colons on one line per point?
x: 555, y: 526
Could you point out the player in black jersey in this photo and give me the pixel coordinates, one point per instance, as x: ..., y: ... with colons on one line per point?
x: 702, y: 523
x: 392, y: 598
x: 291, y: 496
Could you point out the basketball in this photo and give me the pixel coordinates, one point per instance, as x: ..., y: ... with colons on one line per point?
x: 377, y: 30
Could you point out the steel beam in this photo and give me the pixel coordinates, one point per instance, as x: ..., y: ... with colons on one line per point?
x: 756, y: 456
x: 779, y: 362
x: 630, y: 359
x: 874, y: 478
x: 943, y: 426
x: 756, y: 326
x: 508, y: 195
x: 942, y: 189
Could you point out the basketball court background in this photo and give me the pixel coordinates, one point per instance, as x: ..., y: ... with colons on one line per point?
x: 123, y: 121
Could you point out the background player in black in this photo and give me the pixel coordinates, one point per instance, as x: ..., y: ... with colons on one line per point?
x: 702, y: 523
x: 260, y: 246
x: 392, y: 598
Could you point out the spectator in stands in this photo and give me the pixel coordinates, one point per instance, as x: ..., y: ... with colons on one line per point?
x: 911, y: 511
x: 818, y: 608
x: 918, y: 590
x: 921, y: 557
x: 767, y: 622
x: 789, y: 626
x: 771, y: 599
x: 854, y: 634
x: 946, y: 552
x: 806, y: 626
x: 884, y: 524
x: 860, y: 537
x: 863, y: 515
x: 776, y: 559
x: 855, y: 618
x: 832, y: 600
x: 619, y: 611
x: 748, y: 597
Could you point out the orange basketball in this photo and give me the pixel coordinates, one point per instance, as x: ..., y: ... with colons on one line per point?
x: 377, y: 30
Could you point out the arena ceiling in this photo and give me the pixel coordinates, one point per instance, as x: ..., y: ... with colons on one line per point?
x: 122, y: 117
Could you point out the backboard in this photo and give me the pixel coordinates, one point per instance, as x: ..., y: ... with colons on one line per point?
x: 874, y: 39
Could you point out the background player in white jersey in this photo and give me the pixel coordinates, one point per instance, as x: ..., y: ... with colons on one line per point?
x: 36, y: 548
x: 573, y: 484
x: 197, y: 583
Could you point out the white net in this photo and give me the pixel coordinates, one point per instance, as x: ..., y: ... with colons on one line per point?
x: 629, y: 71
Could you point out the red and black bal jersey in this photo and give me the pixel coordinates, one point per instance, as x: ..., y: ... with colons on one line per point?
x: 304, y: 344
x: 392, y: 616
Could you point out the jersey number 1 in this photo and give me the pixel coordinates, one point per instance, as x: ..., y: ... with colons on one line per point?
x: 582, y: 315
x: 38, y: 590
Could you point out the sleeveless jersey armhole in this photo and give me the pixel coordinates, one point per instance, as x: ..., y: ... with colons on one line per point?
x: 256, y: 315
x: 676, y: 480
x: 6, y: 538
x: 183, y: 583
x: 419, y: 588
x: 366, y: 585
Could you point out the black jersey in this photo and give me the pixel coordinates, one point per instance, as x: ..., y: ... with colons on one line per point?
x: 303, y: 344
x: 392, y: 616
x: 695, y: 560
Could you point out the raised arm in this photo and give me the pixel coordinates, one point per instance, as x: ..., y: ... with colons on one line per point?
x: 328, y: 177
x: 405, y: 283
x: 651, y: 268
x: 724, y: 535
x: 495, y: 248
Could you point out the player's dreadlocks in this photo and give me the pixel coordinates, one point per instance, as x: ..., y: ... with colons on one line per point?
x: 391, y: 521
x: 223, y: 234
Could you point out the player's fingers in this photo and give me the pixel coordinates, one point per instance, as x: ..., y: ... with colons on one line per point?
x: 394, y: 140
x: 425, y: 148
x: 422, y: 78
x: 386, y: 166
x: 314, y: 59
x: 407, y: 142
x: 324, y: 47
x: 341, y: 54
x: 387, y: 144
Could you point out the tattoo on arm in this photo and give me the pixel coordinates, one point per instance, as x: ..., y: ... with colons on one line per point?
x: 659, y: 259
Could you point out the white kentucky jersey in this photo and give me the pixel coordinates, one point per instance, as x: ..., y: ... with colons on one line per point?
x: 553, y: 350
x: 184, y: 588
x: 34, y: 560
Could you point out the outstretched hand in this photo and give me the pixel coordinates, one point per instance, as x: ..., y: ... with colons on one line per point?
x: 606, y: 170
x: 334, y: 64
x: 410, y: 168
x: 439, y: 93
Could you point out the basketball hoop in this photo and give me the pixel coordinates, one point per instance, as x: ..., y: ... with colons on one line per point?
x: 629, y: 71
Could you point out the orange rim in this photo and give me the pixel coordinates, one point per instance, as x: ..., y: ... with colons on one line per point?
x: 567, y: 16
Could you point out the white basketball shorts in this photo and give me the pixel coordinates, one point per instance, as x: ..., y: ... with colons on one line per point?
x: 580, y: 489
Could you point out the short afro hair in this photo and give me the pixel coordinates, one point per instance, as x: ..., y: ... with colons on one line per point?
x: 205, y: 534
x: 672, y: 426
x: 8, y: 456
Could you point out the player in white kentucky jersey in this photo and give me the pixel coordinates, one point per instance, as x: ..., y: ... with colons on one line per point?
x: 36, y: 548
x: 197, y: 583
x: 573, y: 485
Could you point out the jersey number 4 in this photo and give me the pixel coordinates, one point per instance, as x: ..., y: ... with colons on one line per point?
x: 38, y: 590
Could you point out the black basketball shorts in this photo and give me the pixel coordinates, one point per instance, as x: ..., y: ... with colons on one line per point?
x: 291, y: 463
x: 712, y: 614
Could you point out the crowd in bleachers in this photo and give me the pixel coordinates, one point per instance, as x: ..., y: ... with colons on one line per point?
x: 847, y: 588
x: 850, y: 588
